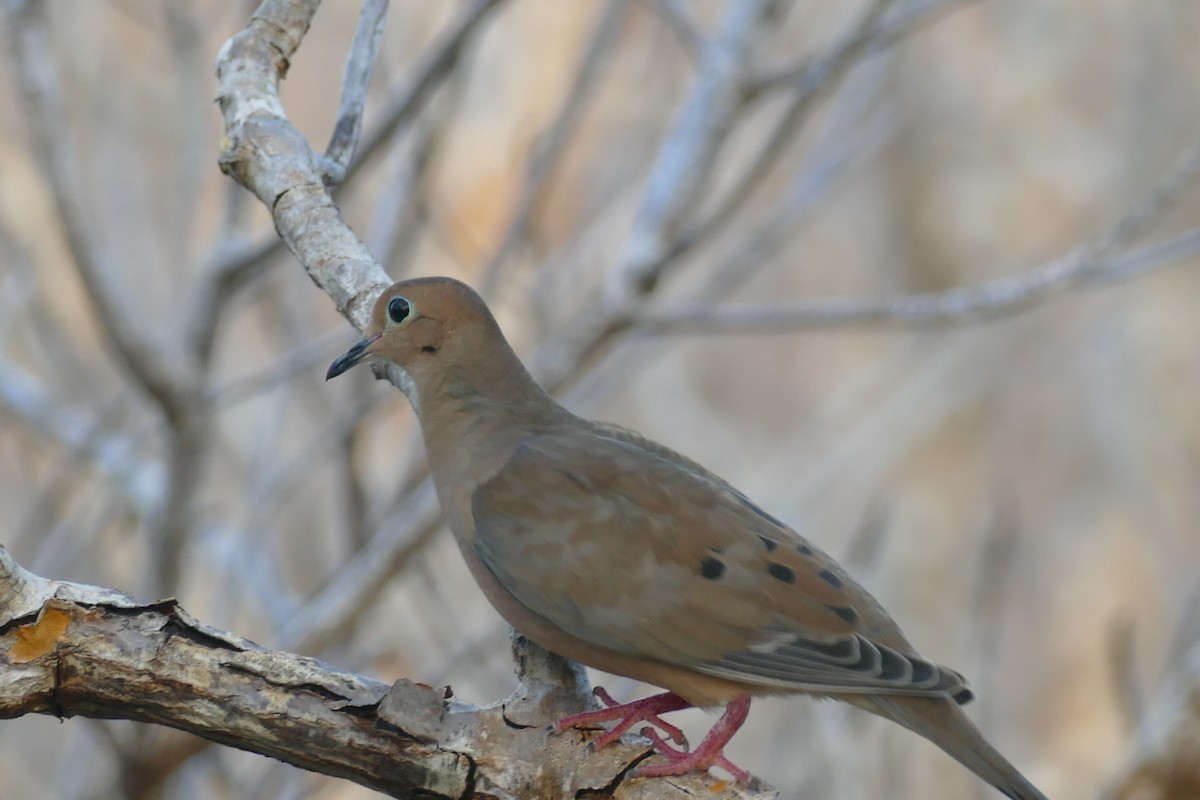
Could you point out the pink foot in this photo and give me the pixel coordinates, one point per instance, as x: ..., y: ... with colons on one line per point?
x: 629, y: 714
x: 710, y: 753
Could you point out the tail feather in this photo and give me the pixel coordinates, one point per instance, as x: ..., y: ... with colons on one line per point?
x: 944, y: 723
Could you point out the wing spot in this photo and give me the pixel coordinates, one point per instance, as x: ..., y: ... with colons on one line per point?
x: 804, y: 550
x: 770, y: 544
x: 830, y: 578
x: 712, y: 568
x: 781, y: 573
x: 845, y: 612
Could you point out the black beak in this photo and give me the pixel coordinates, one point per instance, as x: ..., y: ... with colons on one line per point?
x: 351, y: 357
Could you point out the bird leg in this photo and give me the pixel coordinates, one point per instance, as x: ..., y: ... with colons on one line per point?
x: 629, y: 714
x: 710, y: 753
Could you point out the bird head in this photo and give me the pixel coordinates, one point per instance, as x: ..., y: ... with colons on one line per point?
x: 423, y: 325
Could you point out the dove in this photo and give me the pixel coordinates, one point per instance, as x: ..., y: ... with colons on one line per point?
x: 612, y: 550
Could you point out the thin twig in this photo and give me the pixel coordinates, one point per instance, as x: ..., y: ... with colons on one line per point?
x: 823, y: 76
x: 234, y: 264
x: 436, y: 64
x: 681, y: 169
x: 891, y: 30
x: 1084, y: 267
x: 356, y: 583
x: 356, y: 79
x: 686, y: 157
x: 678, y: 18
x: 959, y: 306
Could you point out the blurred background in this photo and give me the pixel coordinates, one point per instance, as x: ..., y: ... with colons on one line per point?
x: 1016, y: 484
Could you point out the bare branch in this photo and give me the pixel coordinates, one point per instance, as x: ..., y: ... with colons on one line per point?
x: 681, y: 169
x: 824, y: 74
x: 264, y: 152
x: 355, y: 81
x: 964, y: 305
x: 140, y: 480
x: 74, y: 650
x: 233, y: 265
x: 687, y: 155
x: 155, y: 370
x: 398, y: 539
x: 891, y: 29
x: 679, y: 19
x: 436, y: 64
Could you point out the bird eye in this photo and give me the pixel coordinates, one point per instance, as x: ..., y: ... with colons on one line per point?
x: 398, y: 309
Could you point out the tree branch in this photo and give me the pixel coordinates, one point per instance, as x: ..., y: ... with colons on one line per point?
x: 355, y: 82
x: 73, y: 650
x: 1088, y: 265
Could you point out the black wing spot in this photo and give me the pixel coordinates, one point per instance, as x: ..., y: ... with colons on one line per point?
x: 830, y: 578
x: 770, y: 544
x: 804, y: 550
x: 781, y: 573
x: 712, y: 568
x: 845, y: 612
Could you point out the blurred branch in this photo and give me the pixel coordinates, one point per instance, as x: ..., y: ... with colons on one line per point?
x: 657, y: 239
x: 140, y: 480
x: 681, y: 169
x: 306, y: 357
x: 435, y: 65
x: 1164, y: 764
x: 1122, y: 652
x: 234, y: 264
x: 154, y: 369
x: 398, y: 539
x: 549, y: 146
x: 688, y: 153
x: 402, y: 204
x: 678, y: 17
x: 855, y: 131
x: 964, y: 305
x: 164, y: 374
x: 821, y: 77
x: 74, y: 650
x: 1088, y: 265
x: 355, y: 81
x: 889, y: 30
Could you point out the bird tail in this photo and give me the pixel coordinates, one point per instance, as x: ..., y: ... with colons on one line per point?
x: 942, y: 722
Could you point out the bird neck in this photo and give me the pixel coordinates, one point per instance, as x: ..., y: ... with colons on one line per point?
x: 472, y: 420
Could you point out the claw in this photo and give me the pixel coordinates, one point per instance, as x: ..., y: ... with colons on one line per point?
x: 710, y: 753
x: 627, y: 715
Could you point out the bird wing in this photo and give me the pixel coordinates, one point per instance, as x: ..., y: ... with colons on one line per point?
x: 624, y: 544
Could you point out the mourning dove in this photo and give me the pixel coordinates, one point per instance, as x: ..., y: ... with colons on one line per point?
x: 612, y: 550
